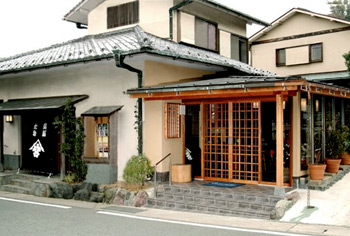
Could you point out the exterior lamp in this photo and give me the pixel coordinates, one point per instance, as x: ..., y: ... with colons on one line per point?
x: 255, y: 105
x: 317, y: 105
x: 9, y: 119
x: 303, y: 104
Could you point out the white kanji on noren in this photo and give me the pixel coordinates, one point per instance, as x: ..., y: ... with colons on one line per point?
x: 37, y: 148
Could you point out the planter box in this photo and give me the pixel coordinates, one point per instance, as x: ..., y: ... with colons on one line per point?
x: 181, y: 173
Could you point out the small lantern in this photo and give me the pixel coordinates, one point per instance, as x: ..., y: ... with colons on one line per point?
x: 9, y: 119
x: 303, y: 104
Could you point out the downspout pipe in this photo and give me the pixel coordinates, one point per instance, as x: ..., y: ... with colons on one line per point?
x: 119, y: 62
x: 80, y: 26
x: 177, y: 6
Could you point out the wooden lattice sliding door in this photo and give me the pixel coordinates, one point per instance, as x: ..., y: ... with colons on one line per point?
x: 231, y: 141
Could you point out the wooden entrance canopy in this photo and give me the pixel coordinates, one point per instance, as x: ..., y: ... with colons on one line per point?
x: 240, y: 89
x: 237, y: 87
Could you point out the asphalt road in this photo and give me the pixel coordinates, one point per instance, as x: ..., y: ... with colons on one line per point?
x: 28, y: 218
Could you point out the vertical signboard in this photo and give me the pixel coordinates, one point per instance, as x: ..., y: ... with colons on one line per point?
x: 40, y: 144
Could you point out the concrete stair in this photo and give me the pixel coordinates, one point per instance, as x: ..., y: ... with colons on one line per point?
x: 214, y: 202
x: 19, y: 183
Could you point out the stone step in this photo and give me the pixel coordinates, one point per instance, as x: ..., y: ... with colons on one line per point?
x: 22, y: 183
x: 213, y: 203
x: 158, y: 204
x: 26, y: 177
x: 220, y: 198
x: 16, y: 189
x: 221, y: 194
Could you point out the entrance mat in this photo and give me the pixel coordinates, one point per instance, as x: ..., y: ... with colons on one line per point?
x: 223, y: 184
x: 123, y: 209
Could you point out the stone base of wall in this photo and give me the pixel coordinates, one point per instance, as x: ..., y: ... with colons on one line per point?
x: 11, y: 162
x: 101, y: 173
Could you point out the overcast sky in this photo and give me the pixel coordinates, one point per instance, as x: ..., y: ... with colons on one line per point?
x: 32, y: 24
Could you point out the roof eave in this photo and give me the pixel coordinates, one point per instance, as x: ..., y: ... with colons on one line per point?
x: 289, y: 14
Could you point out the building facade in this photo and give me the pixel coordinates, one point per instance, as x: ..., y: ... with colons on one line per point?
x: 181, y: 42
x: 311, y: 46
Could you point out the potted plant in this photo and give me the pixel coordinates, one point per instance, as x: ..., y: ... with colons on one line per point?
x: 316, y: 171
x: 335, y: 147
x: 345, y: 157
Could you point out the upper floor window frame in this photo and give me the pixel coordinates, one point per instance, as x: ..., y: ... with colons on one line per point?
x: 314, y: 56
x: 319, y: 53
x: 211, y: 27
x: 124, y: 14
x: 239, y: 48
x: 280, y: 57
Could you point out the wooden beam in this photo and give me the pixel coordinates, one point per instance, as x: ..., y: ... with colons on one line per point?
x: 217, y: 93
x: 279, y: 140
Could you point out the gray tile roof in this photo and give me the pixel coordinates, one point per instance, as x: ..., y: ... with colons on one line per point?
x: 101, y: 110
x: 231, y: 82
x: 29, y: 104
x: 126, y: 42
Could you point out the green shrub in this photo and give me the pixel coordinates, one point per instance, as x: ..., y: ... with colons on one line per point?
x: 138, y: 169
x: 347, y: 60
x: 73, y: 144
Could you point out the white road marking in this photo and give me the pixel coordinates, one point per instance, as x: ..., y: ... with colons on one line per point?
x: 201, y: 225
x: 34, y: 203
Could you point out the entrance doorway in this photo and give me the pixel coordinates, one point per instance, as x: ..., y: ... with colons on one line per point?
x: 40, y: 143
x: 231, y: 141
x: 268, y: 129
x: 192, y: 139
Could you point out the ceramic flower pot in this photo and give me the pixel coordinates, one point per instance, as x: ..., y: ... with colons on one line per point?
x: 345, y: 159
x: 333, y: 165
x: 317, y: 171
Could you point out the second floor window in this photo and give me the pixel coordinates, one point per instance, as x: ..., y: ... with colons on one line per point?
x: 239, y: 48
x: 205, y: 34
x: 281, y: 57
x: 316, y: 52
x: 124, y: 14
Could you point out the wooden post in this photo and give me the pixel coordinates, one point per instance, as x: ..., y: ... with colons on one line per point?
x: 279, y: 141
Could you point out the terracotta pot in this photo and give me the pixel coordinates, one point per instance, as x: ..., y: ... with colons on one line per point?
x: 345, y: 159
x: 333, y: 165
x: 317, y: 171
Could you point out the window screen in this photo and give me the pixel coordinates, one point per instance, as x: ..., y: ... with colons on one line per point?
x: 172, y: 120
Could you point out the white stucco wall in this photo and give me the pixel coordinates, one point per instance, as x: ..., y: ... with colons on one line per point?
x: 154, y: 17
x: 334, y: 46
x: 102, y: 81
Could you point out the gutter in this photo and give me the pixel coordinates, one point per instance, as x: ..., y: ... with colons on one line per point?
x: 174, y: 8
x: 119, y: 62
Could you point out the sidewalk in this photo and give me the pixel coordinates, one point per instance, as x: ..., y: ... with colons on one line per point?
x: 288, y: 227
x: 331, y: 207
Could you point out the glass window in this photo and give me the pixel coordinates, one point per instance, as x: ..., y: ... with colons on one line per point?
x: 124, y: 14
x: 239, y: 49
x: 205, y: 34
x: 281, y: 57
x: 305, y: 132
x: 318, y: 127
x: 316, y: 52
x: 97, y: 137
x: 243, y: 50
